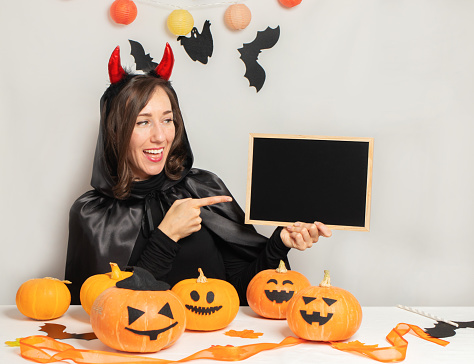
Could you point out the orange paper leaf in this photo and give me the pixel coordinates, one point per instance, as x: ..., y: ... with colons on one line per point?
x: 13, y: 343
x: 246, y: 334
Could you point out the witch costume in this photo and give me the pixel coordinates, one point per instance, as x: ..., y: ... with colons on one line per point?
x: 103, y: 229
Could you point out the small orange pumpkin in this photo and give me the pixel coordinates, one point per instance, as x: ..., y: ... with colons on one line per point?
x: 96, y: 284
x: 270, y: 290
x: 324, y: 313
x: 139, y: 314
x: 211, y: 304
x: 43, y: 298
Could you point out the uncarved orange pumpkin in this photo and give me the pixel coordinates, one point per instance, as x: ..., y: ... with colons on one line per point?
x: 141, y: 318
x: 43, y: 298
x: 324, y: 313
x: 211, y: 304
x: 270, y: 290
x: 96, y: 284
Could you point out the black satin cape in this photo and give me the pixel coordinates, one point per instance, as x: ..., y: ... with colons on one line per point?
x: 103, y: 229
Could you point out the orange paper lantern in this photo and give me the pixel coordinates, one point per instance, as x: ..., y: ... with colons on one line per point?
x: 237, y: 16
x: 123, y: 11
x: 290, y: 3
x: 180, y: 22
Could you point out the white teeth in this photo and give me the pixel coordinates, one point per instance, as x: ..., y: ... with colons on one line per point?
x: 154, y: 151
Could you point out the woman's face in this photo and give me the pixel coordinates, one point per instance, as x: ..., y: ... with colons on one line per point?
x: 152, y: 137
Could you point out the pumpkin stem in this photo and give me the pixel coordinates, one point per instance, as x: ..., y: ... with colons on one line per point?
x: 115, y: 271
x: 202, y: 278
x: 326, y: 282
x: 281, y: 268
x: 55, y: 279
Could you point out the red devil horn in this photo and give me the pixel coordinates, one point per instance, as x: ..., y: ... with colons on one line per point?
x: 116, y: 72
x: 165, y: 67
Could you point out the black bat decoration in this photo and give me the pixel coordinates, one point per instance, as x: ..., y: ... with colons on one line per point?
x: 199, y: 46
x: 249, y: 55
x: 443, y: 329
x: 142, y: 60
x: 56, y: 331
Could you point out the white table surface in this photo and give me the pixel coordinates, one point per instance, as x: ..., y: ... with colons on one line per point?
x: 377, y: 322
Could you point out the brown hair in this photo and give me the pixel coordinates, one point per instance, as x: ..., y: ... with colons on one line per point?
x: 119, y: 121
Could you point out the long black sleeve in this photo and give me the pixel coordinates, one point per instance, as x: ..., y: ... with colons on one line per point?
x: 240, y: 271
x: 157, y: 255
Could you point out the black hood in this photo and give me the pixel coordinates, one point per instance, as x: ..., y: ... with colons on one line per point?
x: 103, y: 181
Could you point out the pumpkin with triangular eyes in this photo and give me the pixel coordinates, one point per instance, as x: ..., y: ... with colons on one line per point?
x: 211, y: 304
x: 270, y: 290
x: 139, y: 314
x: 324, y: 313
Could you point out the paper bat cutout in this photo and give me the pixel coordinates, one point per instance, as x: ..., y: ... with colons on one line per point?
x: 249, y: 55
x: 199, y: 46
x: 143, y: 61
x: 443, y: 329
x: 56, y: 331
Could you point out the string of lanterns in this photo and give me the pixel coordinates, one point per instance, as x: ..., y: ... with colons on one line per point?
x: 181, y: 22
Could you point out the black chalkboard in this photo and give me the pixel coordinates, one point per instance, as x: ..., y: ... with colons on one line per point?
x: 309, y: 178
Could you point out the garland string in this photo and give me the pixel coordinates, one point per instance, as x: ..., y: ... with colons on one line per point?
x: 160, y: 3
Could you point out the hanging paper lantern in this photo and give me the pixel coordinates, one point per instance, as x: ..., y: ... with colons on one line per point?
x: 237, y: 16
x: 180, y: 22
x: 289, y: 3
x: 123, y: 11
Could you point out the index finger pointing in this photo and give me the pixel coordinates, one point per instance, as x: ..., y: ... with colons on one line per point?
x: 206, y: 201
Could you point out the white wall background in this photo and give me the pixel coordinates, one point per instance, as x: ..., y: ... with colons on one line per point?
x: 399, y: 71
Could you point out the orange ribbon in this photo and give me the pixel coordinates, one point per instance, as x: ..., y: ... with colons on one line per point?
x: 395, y: 353
x: 32, y: 348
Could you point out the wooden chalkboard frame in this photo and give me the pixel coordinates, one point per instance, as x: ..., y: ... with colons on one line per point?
x: 316, y: 138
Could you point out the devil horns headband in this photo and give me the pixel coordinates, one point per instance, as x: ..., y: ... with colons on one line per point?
x: 163, y: 70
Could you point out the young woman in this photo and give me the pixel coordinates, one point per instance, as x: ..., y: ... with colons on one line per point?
x: 151, y: 208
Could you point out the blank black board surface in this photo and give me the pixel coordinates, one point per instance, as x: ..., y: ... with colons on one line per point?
x: 309, y: 178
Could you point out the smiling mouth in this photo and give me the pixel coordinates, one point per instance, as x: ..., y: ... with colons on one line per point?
x: 315, y: 317
x: 279, y: 296
x: 203, y: 310
x: 152, y: 334
x: 154, y: 155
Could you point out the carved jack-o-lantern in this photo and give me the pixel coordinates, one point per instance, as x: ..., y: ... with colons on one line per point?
x: 140, y: 314
x: 324, y: 313
x: 269, y: 292
x: 211, y: 304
